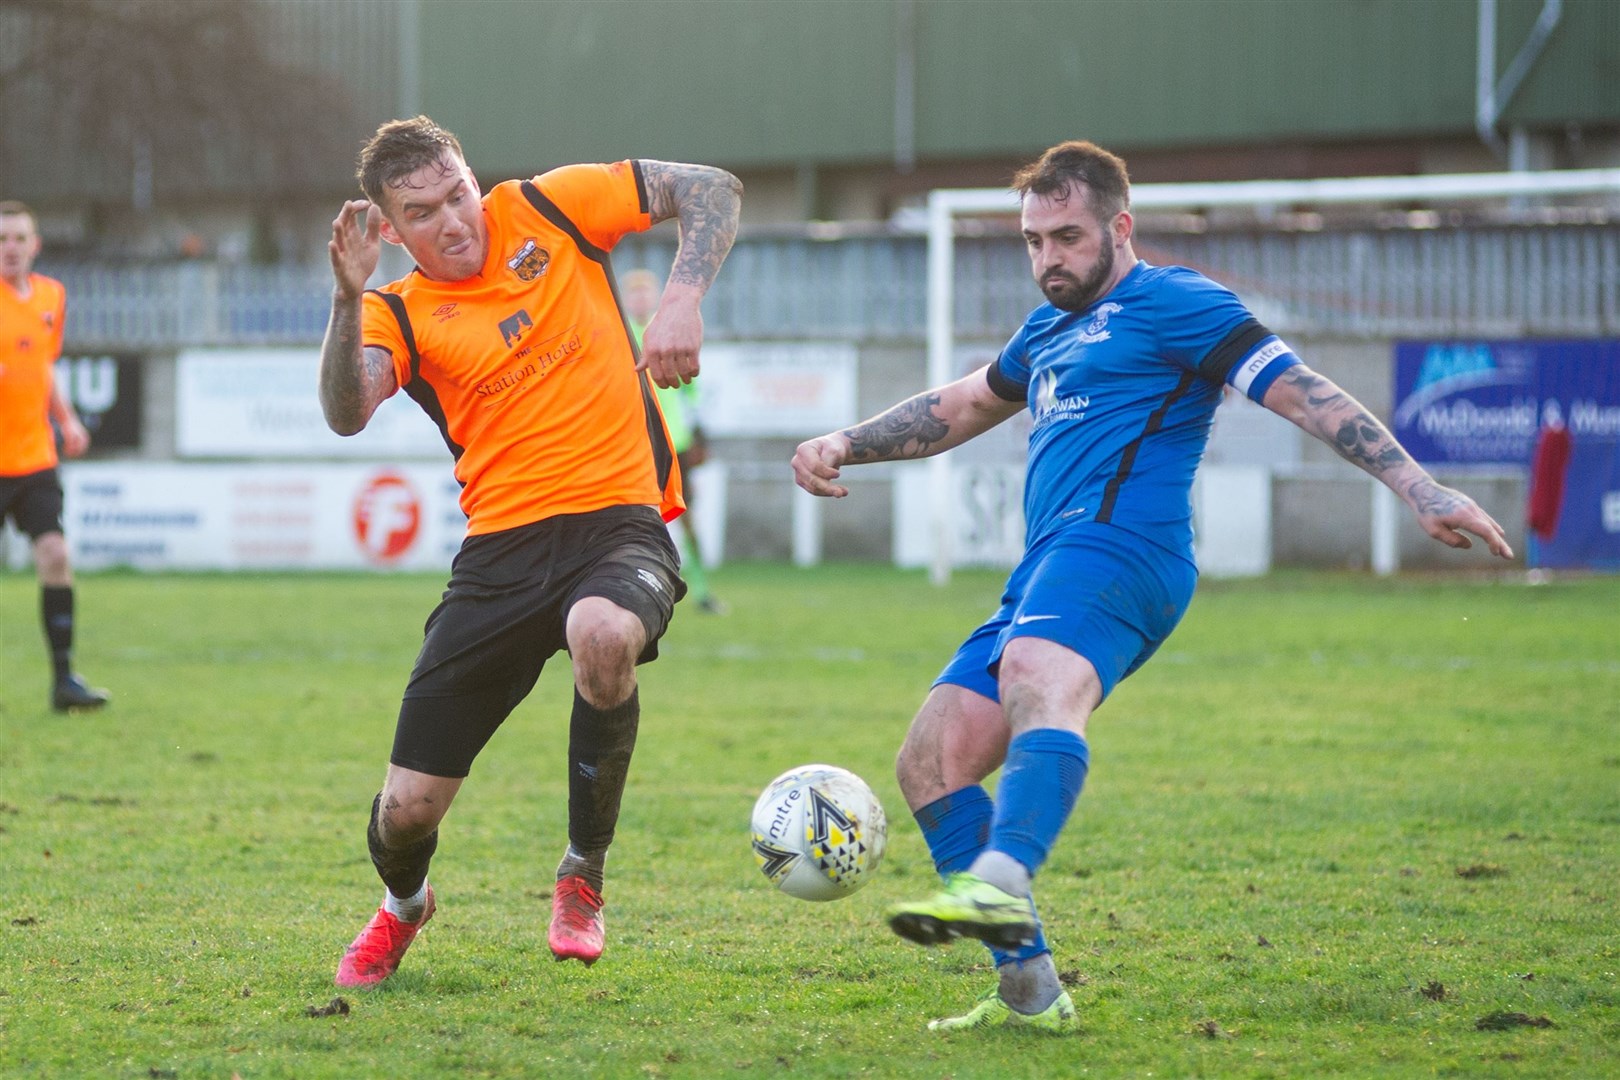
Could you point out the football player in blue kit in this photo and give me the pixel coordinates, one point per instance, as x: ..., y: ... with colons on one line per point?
x: 1122, y: 370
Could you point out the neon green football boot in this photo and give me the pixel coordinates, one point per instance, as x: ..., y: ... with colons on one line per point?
x: 969, y: 906
x: 1057, y: 1018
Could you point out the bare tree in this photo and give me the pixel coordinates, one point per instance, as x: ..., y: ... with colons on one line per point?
x: 157, y: 100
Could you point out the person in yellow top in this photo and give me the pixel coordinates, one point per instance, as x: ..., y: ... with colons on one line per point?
x: 32, y: 310
x: 511, y: 337
x: 679, y: 406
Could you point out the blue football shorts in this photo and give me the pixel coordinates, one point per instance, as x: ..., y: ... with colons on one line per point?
x: 1098, y: 589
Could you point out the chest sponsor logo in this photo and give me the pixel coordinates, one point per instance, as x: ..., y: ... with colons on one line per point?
x: 514, y: 325
x: 534, y: 359
x: 1049, y: 406
x: 1097, y: 329
x: 504, y: 382
x: 530, y: 261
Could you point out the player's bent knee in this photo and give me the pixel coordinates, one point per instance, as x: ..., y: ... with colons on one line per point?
x: 1044, y: 684
x: 919, y: 775
x: 407, y: 823
x: 51, y: 559
x: 957, y: 739
x: 413, y: 804
x: 604, y: 641
x: 598, y: 625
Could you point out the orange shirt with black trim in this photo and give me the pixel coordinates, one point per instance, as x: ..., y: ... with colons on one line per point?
x: 528, y: 368
x: 30, y: 342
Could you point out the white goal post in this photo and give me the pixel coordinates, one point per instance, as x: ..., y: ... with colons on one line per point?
x: 945, y: 205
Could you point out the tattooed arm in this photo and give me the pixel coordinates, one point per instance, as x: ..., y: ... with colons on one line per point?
x: 354, y: 381
x: 930, y: 423
x: 1319, y: 407
x: 706, y: 201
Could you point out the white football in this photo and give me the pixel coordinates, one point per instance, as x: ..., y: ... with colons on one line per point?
x: 818, y: 832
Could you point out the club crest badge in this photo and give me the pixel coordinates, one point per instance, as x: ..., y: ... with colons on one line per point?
x: 1097, y: 329
x: 530, y: 261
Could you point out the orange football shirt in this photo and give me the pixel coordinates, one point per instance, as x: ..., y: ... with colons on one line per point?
x: 30, y: 342
x: 528, y: 368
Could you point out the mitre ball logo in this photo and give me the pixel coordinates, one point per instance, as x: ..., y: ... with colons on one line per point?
x: 387, y: 517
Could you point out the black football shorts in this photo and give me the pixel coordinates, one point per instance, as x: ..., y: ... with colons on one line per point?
x: 504, y: 615
x: 33, y: 501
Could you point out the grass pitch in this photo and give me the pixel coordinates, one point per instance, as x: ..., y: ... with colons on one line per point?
x: 1338, y: 826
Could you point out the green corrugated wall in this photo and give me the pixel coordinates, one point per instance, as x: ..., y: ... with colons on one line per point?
x: 753, y: 83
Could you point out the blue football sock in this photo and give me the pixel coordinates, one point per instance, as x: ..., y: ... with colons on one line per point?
x: 1040, y: 782
x: 956, y: 828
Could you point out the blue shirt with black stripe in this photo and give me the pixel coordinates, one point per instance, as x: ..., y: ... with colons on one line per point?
x: 1124, y: 396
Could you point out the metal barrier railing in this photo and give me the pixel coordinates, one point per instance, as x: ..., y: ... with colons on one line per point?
x: 1493, y: 281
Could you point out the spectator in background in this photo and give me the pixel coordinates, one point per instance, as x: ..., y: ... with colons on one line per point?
x: 32, y: 309
x: 680, y: 408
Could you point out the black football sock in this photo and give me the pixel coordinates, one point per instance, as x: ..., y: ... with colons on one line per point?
x: 56, y: 612
x: 403, y: 870
x: 600, y: 742
x: 590, y: 865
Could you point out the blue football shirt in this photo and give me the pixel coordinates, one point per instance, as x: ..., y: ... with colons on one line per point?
x: 1124, y: 396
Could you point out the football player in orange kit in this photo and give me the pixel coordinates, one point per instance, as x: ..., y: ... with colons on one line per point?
x: 510, y: 336
x: 32, y: 307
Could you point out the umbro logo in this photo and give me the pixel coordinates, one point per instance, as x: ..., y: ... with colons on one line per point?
x: 445, y: 312
x: 651, y: 579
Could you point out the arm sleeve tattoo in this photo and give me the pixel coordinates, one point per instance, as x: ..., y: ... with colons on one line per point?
x: 707, y: 202
x: 908, y: 430
x: 353, y: 379
x: 1344, y: 424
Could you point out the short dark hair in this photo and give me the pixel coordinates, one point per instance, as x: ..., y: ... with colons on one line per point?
x: 1101, y: 174
x: 12, y: 208
x: 399, y: 148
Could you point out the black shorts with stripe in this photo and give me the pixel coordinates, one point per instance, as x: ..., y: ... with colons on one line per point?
x: 33, y: 501
x: 504, y: 615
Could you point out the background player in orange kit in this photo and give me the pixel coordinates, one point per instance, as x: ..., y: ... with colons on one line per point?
x: 32, y: 309
x: 510, y: 336
x: 679, y: 404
